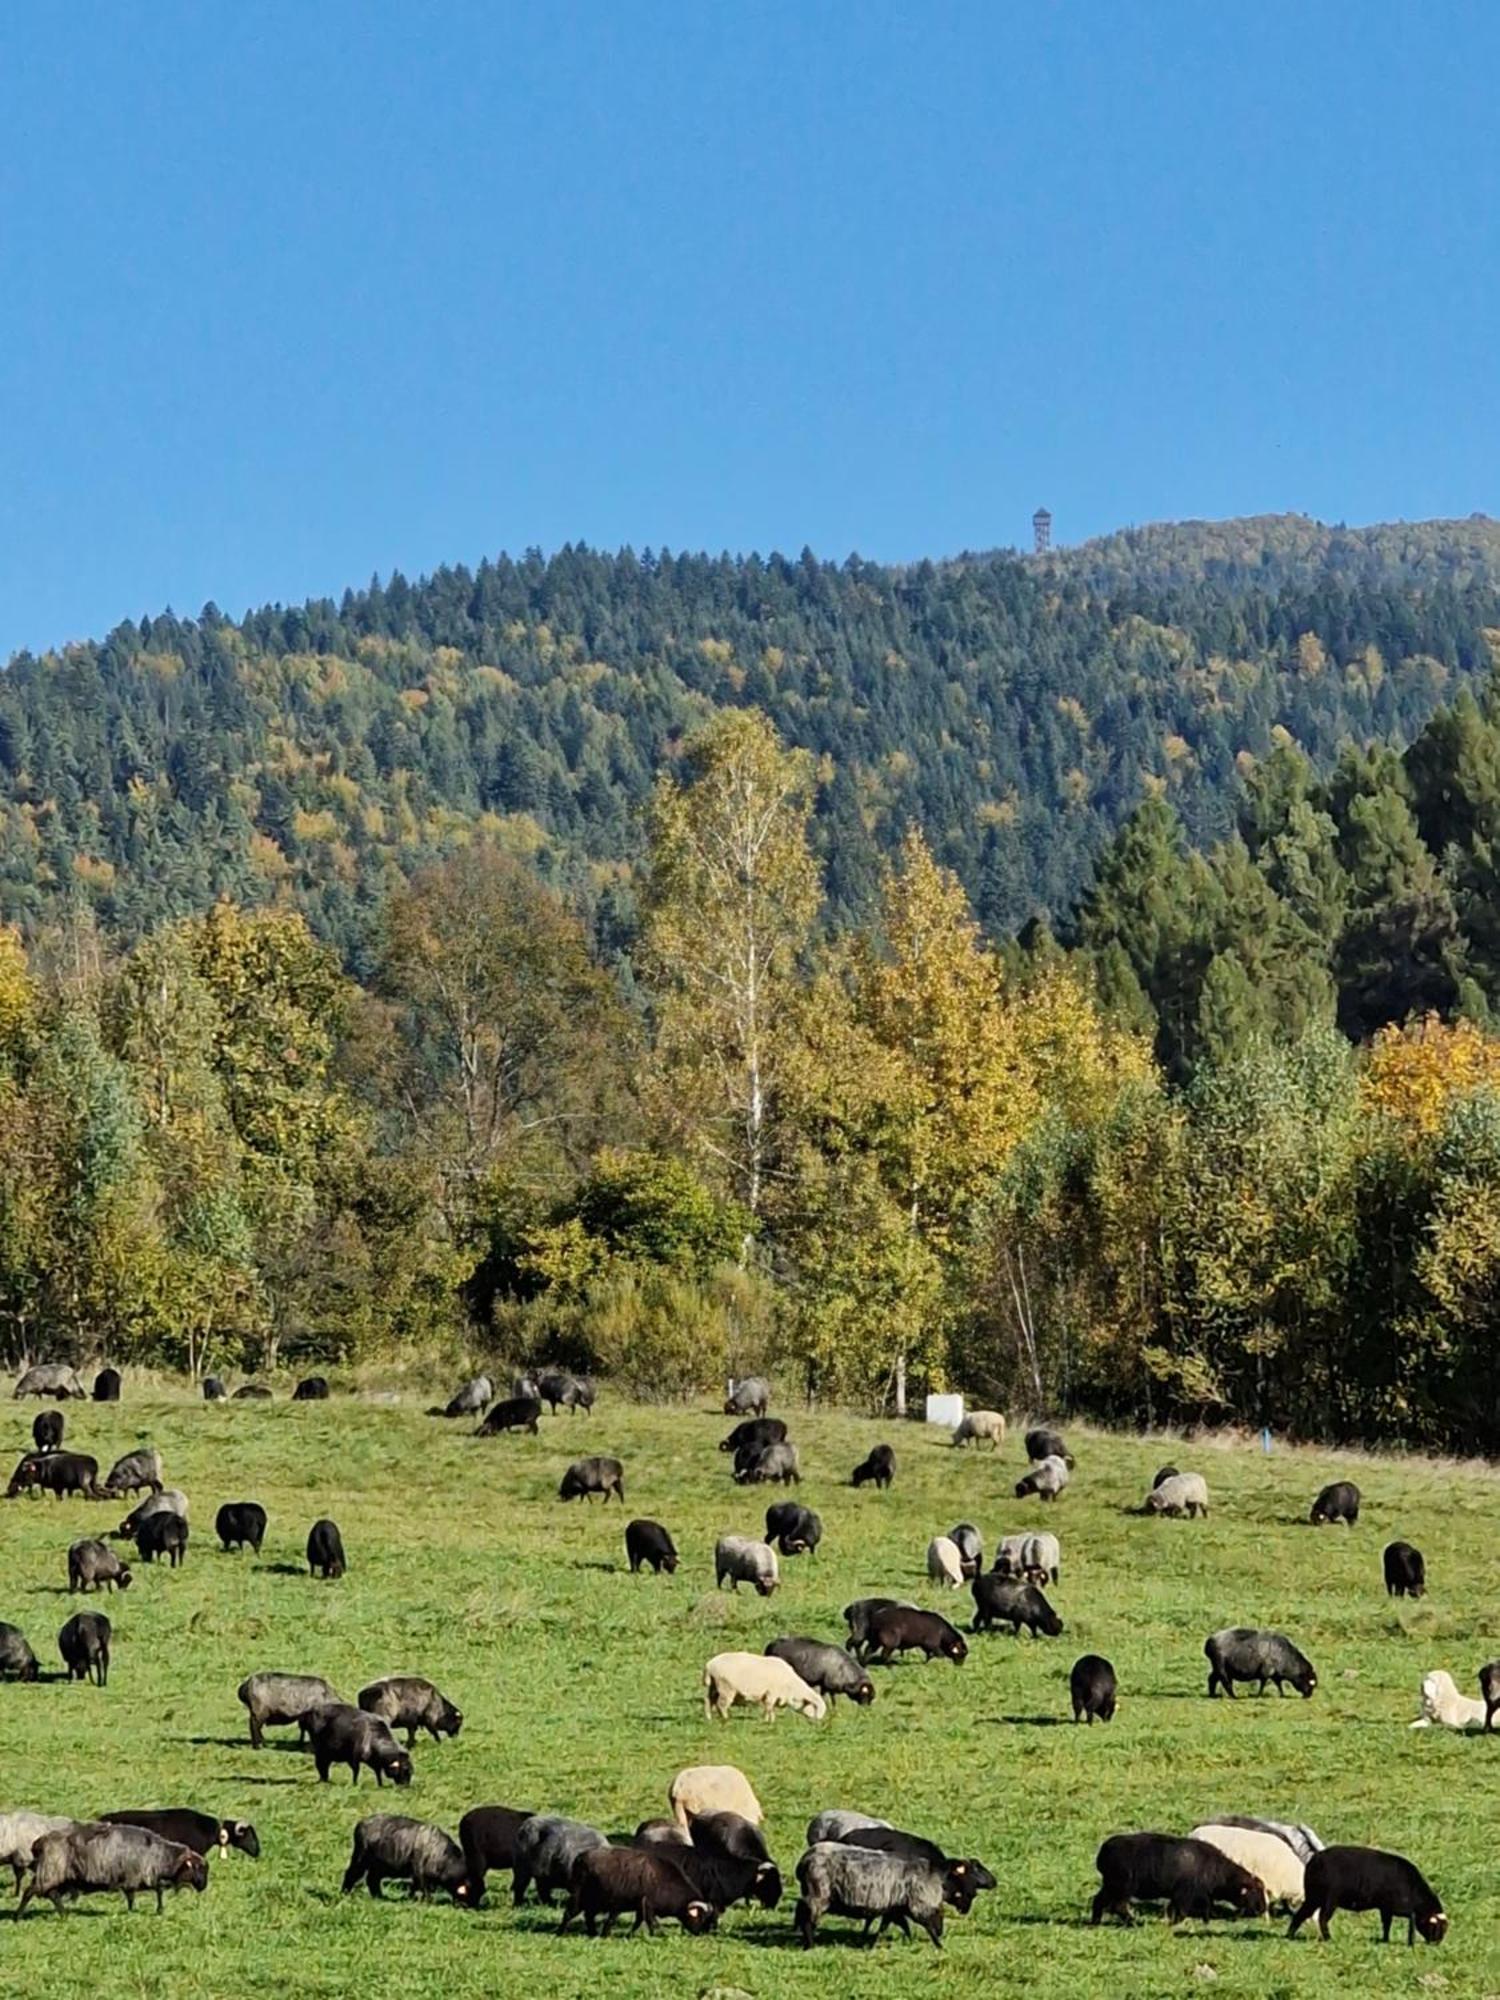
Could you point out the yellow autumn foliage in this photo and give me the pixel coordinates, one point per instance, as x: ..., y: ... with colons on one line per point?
x: 1414, y: 1073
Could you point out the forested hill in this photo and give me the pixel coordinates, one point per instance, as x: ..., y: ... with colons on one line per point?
x: 1017, y: 710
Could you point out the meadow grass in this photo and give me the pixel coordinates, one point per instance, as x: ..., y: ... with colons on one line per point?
x: 580, y: 1687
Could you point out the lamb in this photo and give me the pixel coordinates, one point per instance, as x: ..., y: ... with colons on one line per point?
x: 1338, y: 1502
x: 1093, y: 1689
x: 759, y: 1681
x: 84, y: 1645
x: 998, y: 1600
x: 469, y: 1399
x: 1269, y: 1860
x: 487, y: 1835
x: 649, y: 1542
x: 1444, y: 1705
x: 241, y: 1524
x: 47, y: 1430
x: 272, y: 1699
x: 19, y: 1833
x: 1046, y: 1479
x: 516, y: 1413
x: 740, y: 1559
x: 91, y: 1566
x: 325, y: 1551
x: 406, y: 1701
x: 944, y: 1563
x: 587, y: 1476
x: 1405, y: 1571
x: 795, y: 1529
x: 836, y: 1824
x: 701, y: 1789
x: 338, y: 1734
x: 51, y: 1378
x: 136, y: 1472
x: 547, y: 1847
x: 749, y: 1397
x: 1185, y: 1493
x: 1241, y: 1653
x: 754, y: 1436
x: 1365, y: 1878
x: 879, y: 1469
x: 197, y: 1830
x: 1043, y: 1443
x: 608, y: 1882
x: 772, y: 1465
x: 861, y: 1614
x: 570, y: 1392
x: 899, y: 1630
x: 987, y: 1426
x: 388, y: 1846
x: 967, y: 1540
x: 841, y: 1881
x: 1189, y: 1876
x: 17, y: 1661
x: 92, y: 1857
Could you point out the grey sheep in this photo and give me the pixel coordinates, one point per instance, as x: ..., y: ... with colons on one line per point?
x: 469, y: 1399
x: 835, y: 1824
x: 587, y: 1476
x: 1046, y: 1479
x: 1303, y: 1842
x: 546, y: 1848
x: 91, y: 1566
x: 568, y: 1392
x: 774, y: 1465
x: 51, y: 1378
x: 17, y: 1661
x: 967, y: 1539
x: 749, y: 1397
x: 171, y: 1500
x: 390, y: 1847
x: 741, y: 1559
x: 859, y: 1882
x: 1242, y: 1653
x: 338, y: 1734
x: 93, y: 1858
x: 19, y: 1833
x: 1184, y: 1493
x: 408, y: 1702
x: 136, y: 1471
x: 829, y: 1669
x: 272, y: 1699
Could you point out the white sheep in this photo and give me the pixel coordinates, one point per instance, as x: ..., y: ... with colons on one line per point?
x: 1184, y: 1493
x: 988, y: 1426
x: 741, y: 1559
x: 1443, y: 1704
x: 1041, y: 1558
x: 760, y: 1682
x: 944, y: 1563
x: 712, y: 1788
x: 1266, y: 1857
x: 19, y: 1831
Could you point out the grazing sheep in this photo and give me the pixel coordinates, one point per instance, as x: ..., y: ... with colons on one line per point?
x: 879, y: 1469
x: 1262, y: 1855
x: 701, y: 1789
x: 740, y: 1559
x: 1184, y: 1493
x: 241, y: 1524
x: 1188, y: 1876
x: 965, y: 1878
x: 795, y: 1529
x: 1242, y: 1653
x: 162, y: 1534
x: 749, y: 1397
x: 311, y: 1389
x: 1041, y: 1558
x: 1046, y: 1479
x: 547, y: 1847
x: 1338, y: 1502
x: 171, y: 1500
x: 649, y: 1542
x: 754, y: 1436
x: 844, y: 1881
x: 987, y: 1426
x: 84, y: 1645
x: 408, y: 1702
x: 469, y: 1399
x: 1405, y: 1571
x: 1093, y: 1689
x: 136, y: 1472
x: 17, y: 1661
x: 107, y: 1386
x: 487, y: 1835
x: 517, y: 1413
x: 967, y: 1539
x: 660, y: 1833
x: 93, y: 1858
x: 829, y: 1669
x: 59, y: 1473
x: 899, y: 1630
x: 860, y: 1615
x: 610, y: 1882
x: 91, y: 1566
x: 186, y: 1828
x: 944, y: 1563
x: 759, y: 1682
x: 1001, y: 1600
x: 51, y: 1378
x: 1164, y: 1473
x: 587, y: 1476
x: 390, y: 1847
x: 1365, y: 1878
x: 325, y: 1551
x: 1443, y: 1705
x: 251, y: 1392
x: 1303, y: 1842
x: 213, y: 1389
x: 1008, y: 1555
x: 770, y: 1465
x: 273, y: 1699
x: 338, y: 1734
x: 569, y: 1392
x: 836, y: 1824
x: 1489, y: 1687
x: 727, y: 1862
x: 19, y: 1833
x: 47, y: 1430
x: 1043, y: 1443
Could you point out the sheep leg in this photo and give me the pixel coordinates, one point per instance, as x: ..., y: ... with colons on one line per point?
x: 1385, y: 1926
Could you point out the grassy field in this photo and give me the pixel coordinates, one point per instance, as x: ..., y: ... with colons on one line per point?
x: 580, y: 1688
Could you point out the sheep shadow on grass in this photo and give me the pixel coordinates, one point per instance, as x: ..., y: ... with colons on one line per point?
x: 279, y: 1569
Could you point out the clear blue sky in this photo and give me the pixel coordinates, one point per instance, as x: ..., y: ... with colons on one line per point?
x: 294, y: 292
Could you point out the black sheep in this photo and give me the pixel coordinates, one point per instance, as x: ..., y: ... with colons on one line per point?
x: 197, y: 1830
x: 47, y: 1430
x: 1092, y: 1686
x: 1241, y: 1653
x: 162, y: 1534
x: 1366, y: 1878
x: 338, y: 1734
x: 84, y: 1645
x: 241, y: 1524
x: 827, y: 1668
x: 107, y: 1386
x: 311, y: 1389
x: 901, y: 1629
x: 754, y: 1435
x: 649, y: 1542
x: 879, y: 1469
x: 17, y: 1661
x: 1003, y: 1600
x: 325, y: 1551
x: 1167, y: 1472
x: 1188, y: 1876
x: 1042, y: 1444
x: 388, y: 1846
x: 587, y: 1476
x: 796, y: 1529
x: 487, y: 1835
x: 213, y: 1389
x: 608, y: 1882
x: 516, y: 1413
x: 1405, y: 1571
x: 1338, y: 1502
x: 59, y: 1473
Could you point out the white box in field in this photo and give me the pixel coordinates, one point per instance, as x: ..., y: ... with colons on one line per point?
x: 947, y: 1410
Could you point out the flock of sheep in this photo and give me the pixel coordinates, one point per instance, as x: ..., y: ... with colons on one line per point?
x: 712, y: 1852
